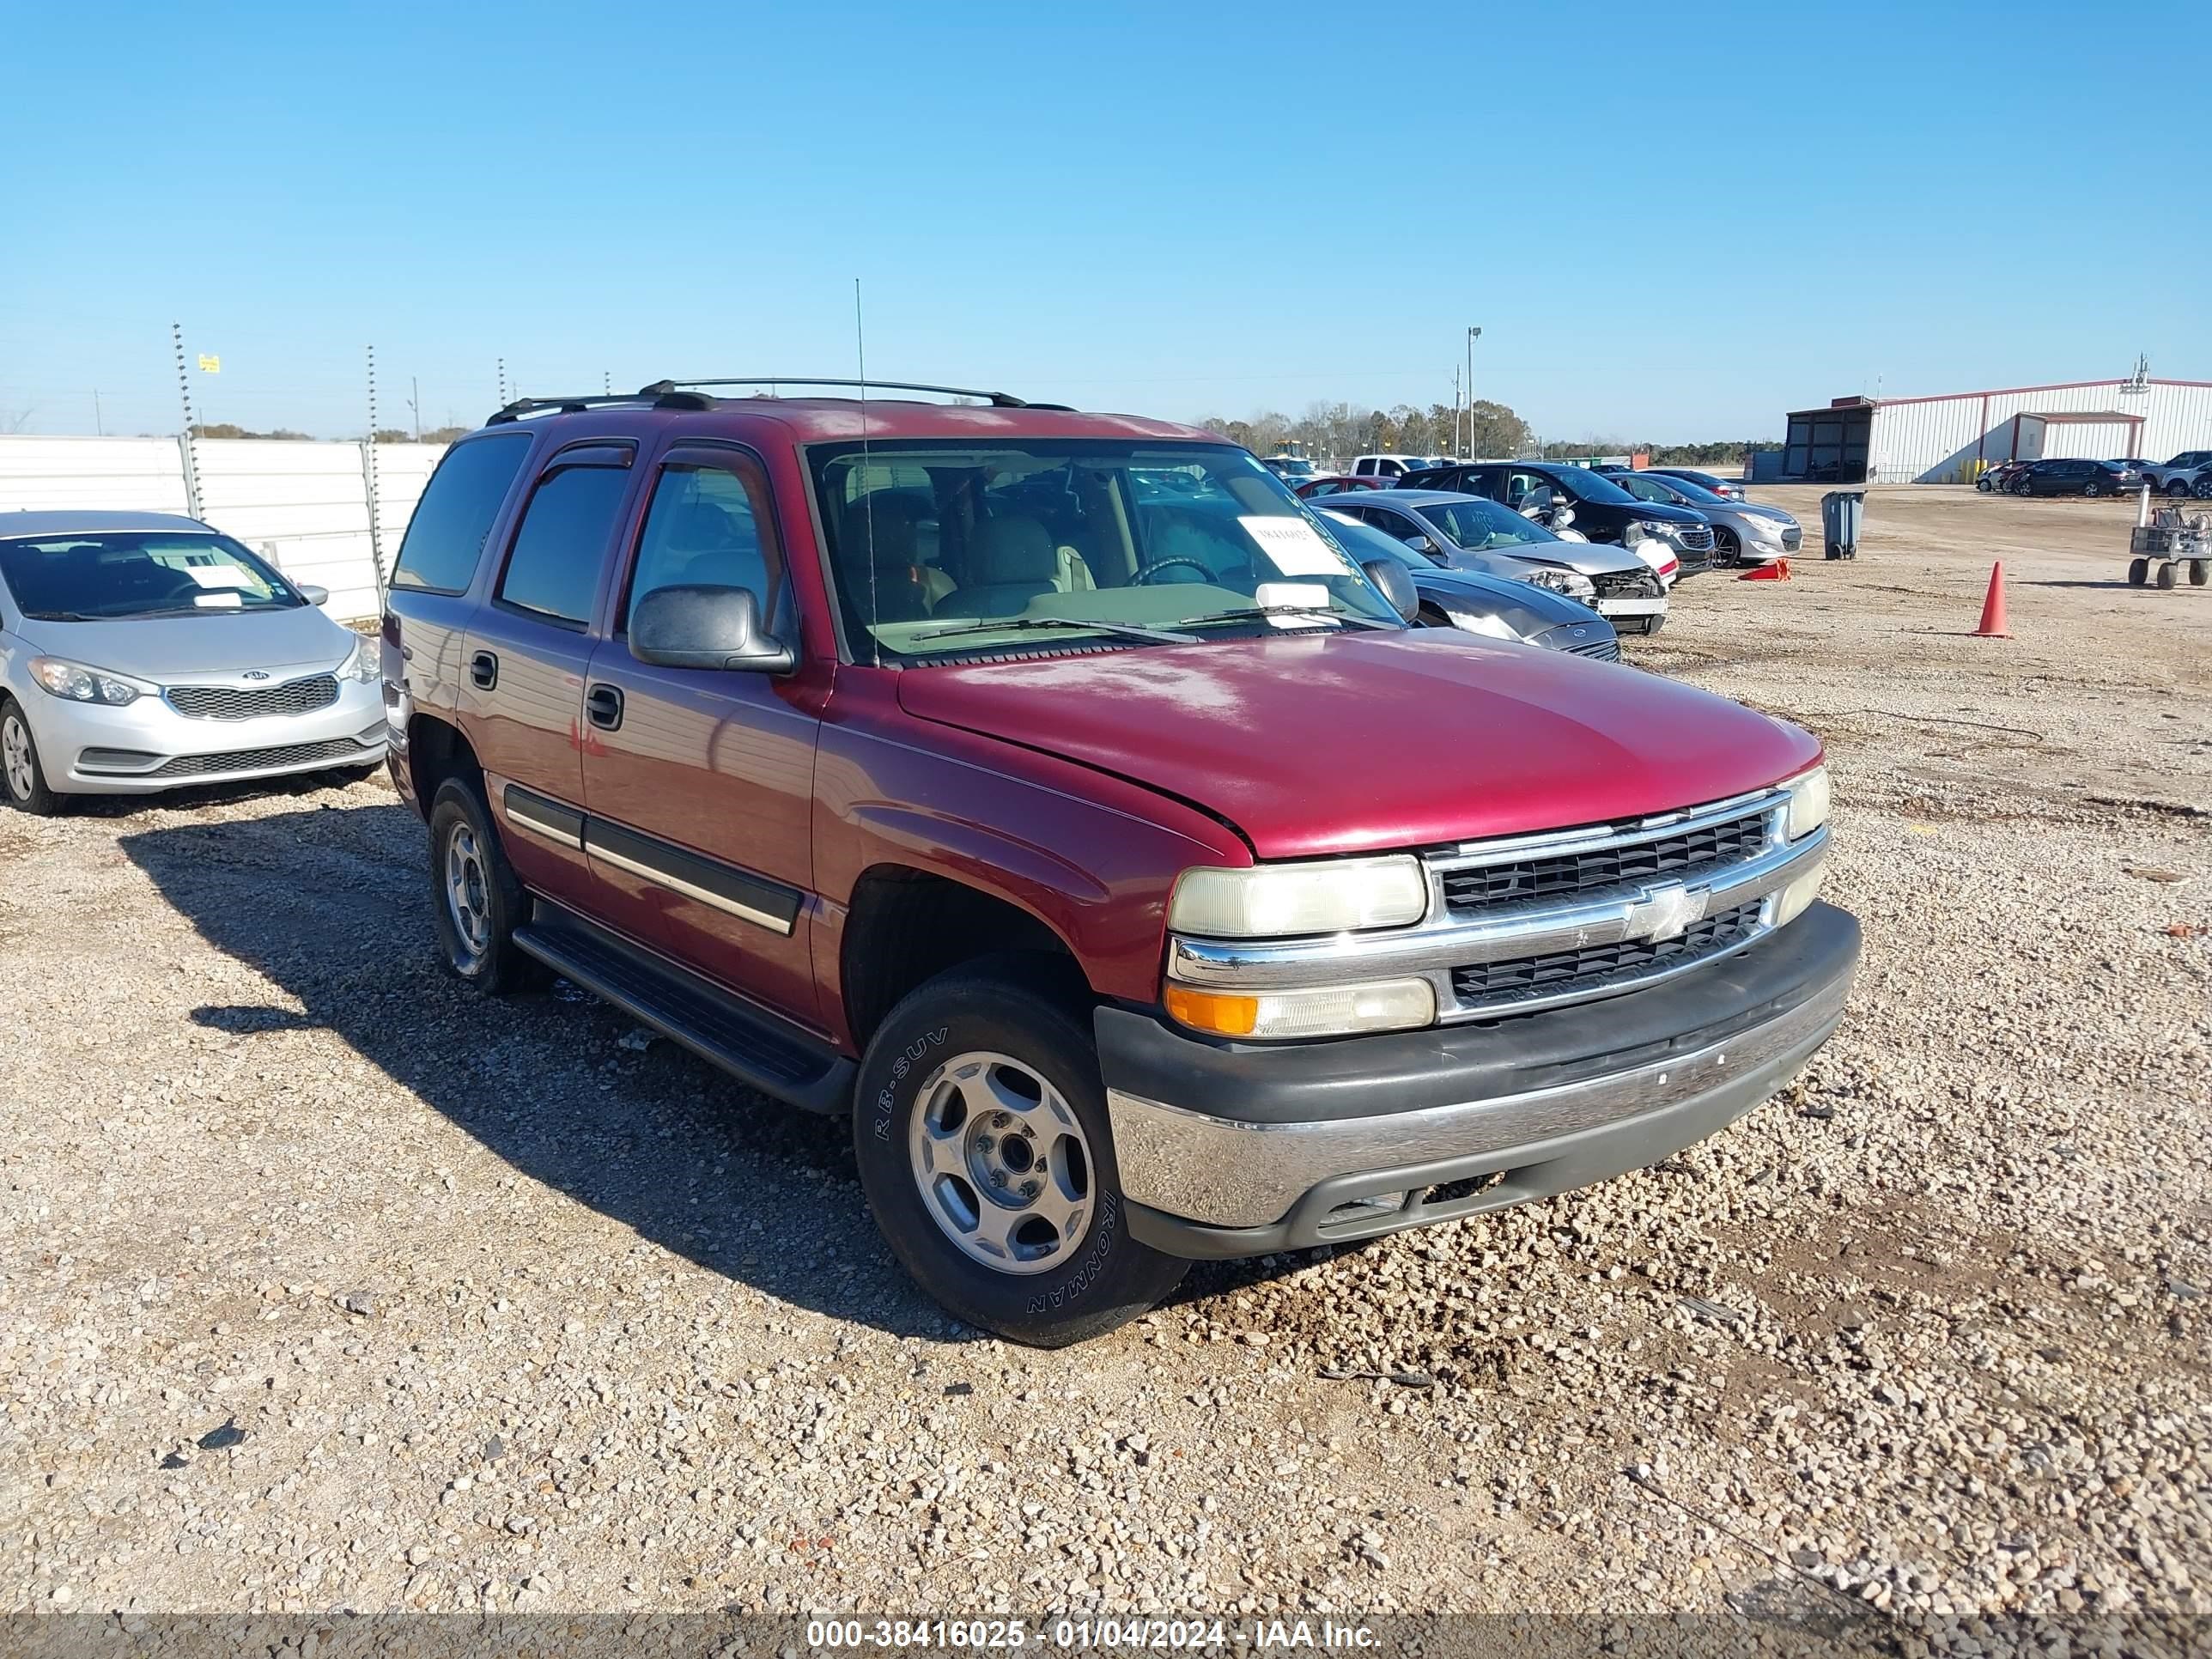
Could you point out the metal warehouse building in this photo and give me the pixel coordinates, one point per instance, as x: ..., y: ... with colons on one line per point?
x: 1949, y: 439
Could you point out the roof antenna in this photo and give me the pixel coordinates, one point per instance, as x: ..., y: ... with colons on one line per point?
x: 867, y: 495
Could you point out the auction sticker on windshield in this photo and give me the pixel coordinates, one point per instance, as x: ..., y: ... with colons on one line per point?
x: 1295, y: 546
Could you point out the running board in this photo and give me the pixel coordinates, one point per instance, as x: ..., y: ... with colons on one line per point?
x: 749, y: 1044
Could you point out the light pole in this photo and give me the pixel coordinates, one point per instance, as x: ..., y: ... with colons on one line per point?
x: 1471, y: 334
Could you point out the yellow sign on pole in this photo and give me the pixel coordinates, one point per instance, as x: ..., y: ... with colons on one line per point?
x: 210, y: 365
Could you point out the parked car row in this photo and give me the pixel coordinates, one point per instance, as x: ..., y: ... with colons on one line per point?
x: 1055, y: 794
x: 2189, y: 473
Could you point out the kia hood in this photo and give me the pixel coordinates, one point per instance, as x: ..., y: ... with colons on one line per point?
x: 210, y: 645
x: 1354, y: 742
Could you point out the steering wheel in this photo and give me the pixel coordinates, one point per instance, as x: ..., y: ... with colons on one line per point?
x: 1144, y: 578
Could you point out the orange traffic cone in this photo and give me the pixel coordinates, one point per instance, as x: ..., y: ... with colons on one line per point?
x: 1993, y: 615
x: 1777, y: 572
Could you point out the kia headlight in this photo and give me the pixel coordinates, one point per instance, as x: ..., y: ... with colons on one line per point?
x: 1282, y: 900
x: 363, y: 664
x: 1808, y: 802
x: 74, y: 682
x: 1572, y: 583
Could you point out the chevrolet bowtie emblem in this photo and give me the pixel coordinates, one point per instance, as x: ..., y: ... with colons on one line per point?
x: 1668, y: 912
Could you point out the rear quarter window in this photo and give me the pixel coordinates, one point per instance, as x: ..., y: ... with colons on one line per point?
x: 446, y: 538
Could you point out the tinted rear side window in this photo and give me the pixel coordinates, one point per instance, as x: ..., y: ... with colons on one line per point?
x: 554, y: 568
x: 446, y: 537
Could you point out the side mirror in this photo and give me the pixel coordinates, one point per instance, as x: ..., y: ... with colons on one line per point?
x: 1391, y: 579
x: 1419, y: 543
x: 702, y: 627
x: 312, y: 594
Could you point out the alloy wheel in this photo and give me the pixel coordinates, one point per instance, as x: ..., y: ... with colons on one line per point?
x: 15, y: 756
x: 1001, y: 1162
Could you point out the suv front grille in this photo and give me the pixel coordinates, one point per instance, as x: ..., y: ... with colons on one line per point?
x: 1580, y: 973
x: 1607, y: 650
x: 223, y: 702
x: 1626, y: 585
x: 1698, y: 537
x: 1686, y: 855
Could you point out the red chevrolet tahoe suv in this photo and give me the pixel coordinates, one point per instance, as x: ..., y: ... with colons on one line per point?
x: 1051, y: 791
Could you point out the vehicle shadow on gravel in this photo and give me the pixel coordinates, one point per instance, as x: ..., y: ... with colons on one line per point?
x: 299, y: 785
x: 332, y: 907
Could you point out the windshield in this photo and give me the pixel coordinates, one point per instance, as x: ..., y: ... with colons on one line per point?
x: 1588, y: 486
x: 117, y: 575
x: 1364, y: 543
x: 941, y: 549
x: 1669, y: 492
x: 1481, y: 526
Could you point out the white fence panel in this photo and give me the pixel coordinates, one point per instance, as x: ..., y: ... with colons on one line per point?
x: 303, y: 505
x: 137, y: 475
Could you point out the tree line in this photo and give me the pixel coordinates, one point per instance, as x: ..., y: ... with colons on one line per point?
x: 1339, y: 431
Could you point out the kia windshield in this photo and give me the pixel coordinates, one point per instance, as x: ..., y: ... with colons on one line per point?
x: 951, y: 549
x: 115, y: 575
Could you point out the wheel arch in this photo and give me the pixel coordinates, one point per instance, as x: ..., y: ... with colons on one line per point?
x: 905, y: 925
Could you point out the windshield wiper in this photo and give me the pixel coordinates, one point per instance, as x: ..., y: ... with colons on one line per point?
x: 64, y: 616
x: 1260, y: 612
x: 1126, y: 631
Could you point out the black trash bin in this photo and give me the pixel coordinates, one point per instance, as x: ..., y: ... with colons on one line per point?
x: 1841, y: 511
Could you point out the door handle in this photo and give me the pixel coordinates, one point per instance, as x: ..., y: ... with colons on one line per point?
x: 483, y: 671
x: 602, y: 707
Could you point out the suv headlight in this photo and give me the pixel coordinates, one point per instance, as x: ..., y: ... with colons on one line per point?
x: 75, y: 683
x: 1640, y: 530
x: 1572, y: 583
x: 1808, y: 802
x: 1280, y: 901
x: 363, y: 662
x: 1382, y: 1005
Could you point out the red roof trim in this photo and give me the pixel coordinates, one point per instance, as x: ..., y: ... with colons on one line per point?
x: 2014, y: 391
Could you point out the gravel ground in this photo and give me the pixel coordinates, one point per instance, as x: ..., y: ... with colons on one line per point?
x: 324, y: 1285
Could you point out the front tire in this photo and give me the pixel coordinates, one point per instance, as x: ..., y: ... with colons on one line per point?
x: 479, y: 902
x: 2202, y: 489
x: 979, y: 1126
x: 22, y: 777
x: 2093, y: 489
x: 1728, y: 551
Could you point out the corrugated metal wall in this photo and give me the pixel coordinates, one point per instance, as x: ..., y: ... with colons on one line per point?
x: 1936, y: 440
x: 304, y: 505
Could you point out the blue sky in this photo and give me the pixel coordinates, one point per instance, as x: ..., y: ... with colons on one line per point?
x: 1673, y: 231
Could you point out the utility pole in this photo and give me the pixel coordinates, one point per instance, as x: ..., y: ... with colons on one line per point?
x: 1472, y: 334
x: 503, y: 398
x: 187, y: 444
x: 606, y: 383
x: 415, y: 403
x: 99, y: 425
x: 1457, y: 408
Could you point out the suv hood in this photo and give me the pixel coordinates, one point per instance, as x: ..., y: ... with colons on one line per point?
x: 219, y: 644
x: 1348, y: 742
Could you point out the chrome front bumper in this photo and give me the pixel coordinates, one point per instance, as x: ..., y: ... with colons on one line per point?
x: 1265, y: 1153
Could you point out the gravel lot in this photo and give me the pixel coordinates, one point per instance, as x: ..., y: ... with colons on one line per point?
x: 502, y: 1306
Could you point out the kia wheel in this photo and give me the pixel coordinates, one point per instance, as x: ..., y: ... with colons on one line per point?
x: 21, y: 776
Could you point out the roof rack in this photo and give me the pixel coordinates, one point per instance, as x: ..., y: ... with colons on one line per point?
x: 996, y: 399
x: 660, y: 395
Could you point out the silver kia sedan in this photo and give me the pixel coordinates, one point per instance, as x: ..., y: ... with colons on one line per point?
x: 142, y: 651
